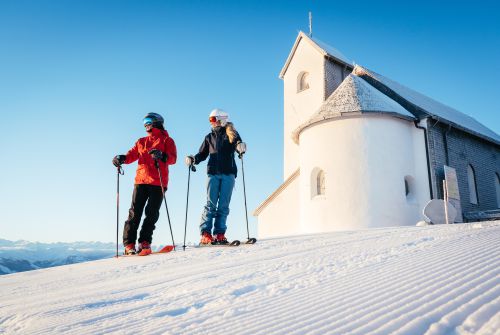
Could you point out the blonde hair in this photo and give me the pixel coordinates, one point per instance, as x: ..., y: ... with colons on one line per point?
x: 231, y: 132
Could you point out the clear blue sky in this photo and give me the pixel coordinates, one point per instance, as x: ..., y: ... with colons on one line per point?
x: 76, y: 78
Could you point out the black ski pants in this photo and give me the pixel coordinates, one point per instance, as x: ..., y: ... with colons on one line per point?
x: 153, y: 196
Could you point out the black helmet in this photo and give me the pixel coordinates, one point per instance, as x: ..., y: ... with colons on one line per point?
x: 155, y: 119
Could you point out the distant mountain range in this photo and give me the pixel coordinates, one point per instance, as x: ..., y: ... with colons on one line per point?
x: 18, y: 256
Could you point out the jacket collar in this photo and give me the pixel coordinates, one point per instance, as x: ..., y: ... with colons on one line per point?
x: 155, y: 132
x: 218, y: 129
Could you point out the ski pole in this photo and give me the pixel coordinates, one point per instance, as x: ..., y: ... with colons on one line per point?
x: 245, y: 196
x: 119, y: 171
x: 164, y: 198
x: 249, y: 240
x: 190, y: 168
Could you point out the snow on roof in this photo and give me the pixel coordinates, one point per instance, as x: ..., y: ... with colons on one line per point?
x: 331, y: 51
x: 354, y: 95
x: 430, y: 106
x: 322, y: 47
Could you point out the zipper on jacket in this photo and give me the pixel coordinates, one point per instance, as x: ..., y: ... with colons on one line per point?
x: 216, y: 151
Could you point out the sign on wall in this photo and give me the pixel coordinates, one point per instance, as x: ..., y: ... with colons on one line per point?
x: 450, y: 177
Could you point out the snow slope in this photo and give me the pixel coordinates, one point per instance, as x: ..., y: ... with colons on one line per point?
x: 407, y: 280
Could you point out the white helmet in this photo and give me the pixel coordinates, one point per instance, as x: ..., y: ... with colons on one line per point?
x: 220, y: 115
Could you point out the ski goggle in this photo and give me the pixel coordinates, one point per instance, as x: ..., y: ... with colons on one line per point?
x: 148, y: 121
x: 212, y: 119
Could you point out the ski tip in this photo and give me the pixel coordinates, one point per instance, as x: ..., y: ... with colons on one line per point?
x: 235, y: 243
x: 251, y: 240
x: 165, y: 249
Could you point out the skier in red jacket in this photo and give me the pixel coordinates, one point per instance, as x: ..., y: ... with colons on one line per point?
x: 157, y: 146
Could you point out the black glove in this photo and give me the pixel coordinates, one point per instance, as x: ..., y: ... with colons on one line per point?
x: 158, y: 155
x: 118, y: 160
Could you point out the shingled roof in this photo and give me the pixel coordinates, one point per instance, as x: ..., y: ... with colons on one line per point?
x: 354, y: 96
x: 422, y: 106
x: 323, y: 48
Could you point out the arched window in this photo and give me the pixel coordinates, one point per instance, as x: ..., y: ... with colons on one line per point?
x: 409, y: 186
x: 471, y: 178
x: 497, y: 187
x: 302, y: 81
x: 318, y: 185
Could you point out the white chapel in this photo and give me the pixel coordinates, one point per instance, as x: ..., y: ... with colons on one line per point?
x: 355, y: 157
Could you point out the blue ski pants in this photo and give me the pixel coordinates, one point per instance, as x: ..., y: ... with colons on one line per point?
x: 219, y: 191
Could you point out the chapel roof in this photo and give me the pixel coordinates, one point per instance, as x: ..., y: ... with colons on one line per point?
x: 320, y: 46
x: 422, y: 106
x: 354, y: 96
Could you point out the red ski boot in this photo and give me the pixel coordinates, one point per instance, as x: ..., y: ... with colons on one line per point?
x: 221, y: 239
x: 206, y: 238
x: 144, y: 248
x: 130, y: 249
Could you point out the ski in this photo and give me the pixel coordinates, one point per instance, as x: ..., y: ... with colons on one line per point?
x: 164, y: 250
x: 169, y: 248
x: 233, y: 243
x: 251, y: 240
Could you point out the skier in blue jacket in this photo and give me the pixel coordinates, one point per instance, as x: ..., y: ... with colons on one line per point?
x: 219, y: 145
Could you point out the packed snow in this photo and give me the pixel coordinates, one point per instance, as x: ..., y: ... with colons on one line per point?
x: 442, y: 279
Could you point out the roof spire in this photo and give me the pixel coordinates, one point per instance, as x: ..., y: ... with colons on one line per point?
x: 310, y: 24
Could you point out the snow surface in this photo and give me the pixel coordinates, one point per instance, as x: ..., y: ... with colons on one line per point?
x: 406, y: 280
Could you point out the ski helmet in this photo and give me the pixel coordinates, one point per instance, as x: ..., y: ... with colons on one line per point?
x: 219, y: 115
x: 155, y: 119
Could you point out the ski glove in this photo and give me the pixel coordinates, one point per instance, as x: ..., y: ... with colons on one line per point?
x: 189, y: 160
x: 118, y: 160
x: 158, y: 155
x: 241, y: 148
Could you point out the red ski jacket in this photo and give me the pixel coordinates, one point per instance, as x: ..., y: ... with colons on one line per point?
x: 147, y: 173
